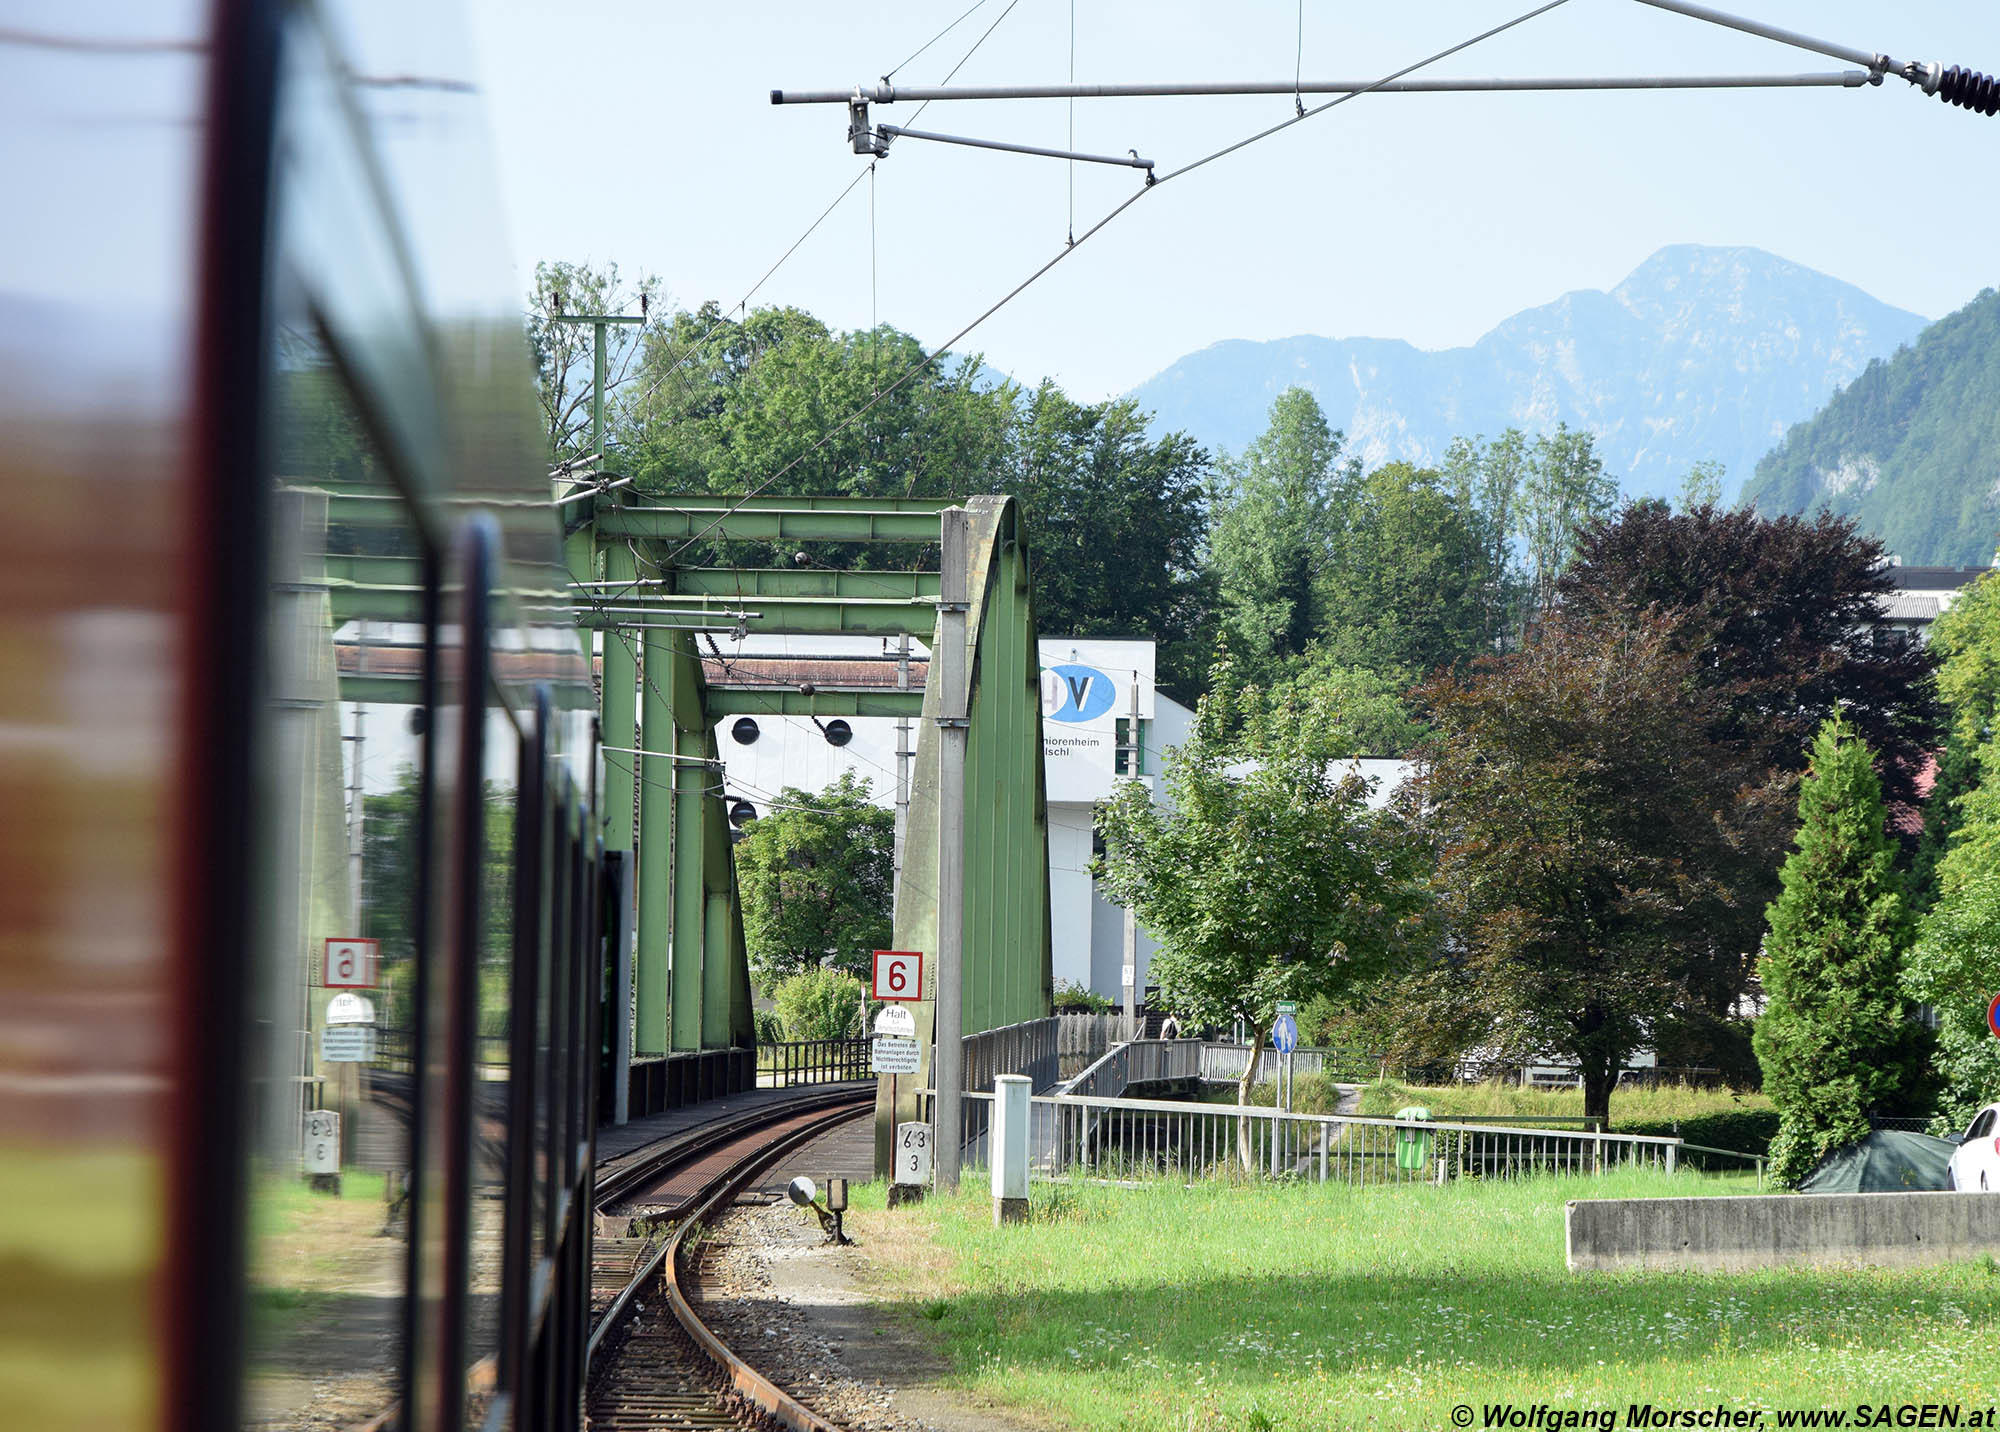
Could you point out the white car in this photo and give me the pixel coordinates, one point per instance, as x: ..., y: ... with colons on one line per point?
x: 1977, y: 1162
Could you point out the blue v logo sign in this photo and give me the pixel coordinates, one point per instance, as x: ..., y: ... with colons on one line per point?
x: 1076, y: 693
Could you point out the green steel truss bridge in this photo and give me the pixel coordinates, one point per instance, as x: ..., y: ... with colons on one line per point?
x: 691, y: 1034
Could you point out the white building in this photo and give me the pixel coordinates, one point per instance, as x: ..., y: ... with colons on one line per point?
x: 1102, y: 714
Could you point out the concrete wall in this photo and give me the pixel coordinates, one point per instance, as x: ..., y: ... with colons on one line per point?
x: 1730, y: 1234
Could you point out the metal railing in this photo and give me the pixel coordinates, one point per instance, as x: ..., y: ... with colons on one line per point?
x: 1082, y: 1037
x: 1026, y: 1048
x: 1072, y: 1136
x: 811, y: 1061
x: 1140, y: 1061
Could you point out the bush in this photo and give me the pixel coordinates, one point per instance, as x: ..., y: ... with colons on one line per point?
x: 823, y: 1003
x: 1748, y: 1131
x: 770, y: 1028
x: 1075, y: 998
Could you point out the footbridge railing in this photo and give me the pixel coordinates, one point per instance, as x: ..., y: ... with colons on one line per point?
x: 1073, y: 1136
x: 1140, y: 1061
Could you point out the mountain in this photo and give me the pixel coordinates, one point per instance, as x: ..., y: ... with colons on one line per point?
x: 1910, y: 449
x: 1700, y: 353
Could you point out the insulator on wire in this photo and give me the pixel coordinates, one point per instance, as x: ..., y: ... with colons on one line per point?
x: 1968, y: 89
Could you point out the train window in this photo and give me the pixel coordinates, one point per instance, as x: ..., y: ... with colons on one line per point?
x: 338, y: 909
x: 491, y: 1122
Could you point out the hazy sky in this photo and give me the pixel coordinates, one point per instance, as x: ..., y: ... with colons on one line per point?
x: 641, y: 131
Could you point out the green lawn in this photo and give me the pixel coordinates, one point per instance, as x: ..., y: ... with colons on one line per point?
x: 1314, y: 1094
x: 1246, y: 1306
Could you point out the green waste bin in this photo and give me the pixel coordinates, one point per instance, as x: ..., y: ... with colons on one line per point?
x: 1413, y: 1146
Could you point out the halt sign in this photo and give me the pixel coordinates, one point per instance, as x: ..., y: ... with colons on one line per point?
x: 351, y: 964
x: 895, y: 1020
x: 899, y: 975
x: 350, y: 1009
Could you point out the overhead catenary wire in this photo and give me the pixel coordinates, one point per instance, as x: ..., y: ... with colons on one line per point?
x: 1069, y: 248
x: 963, y: 17
x: 741, y: 305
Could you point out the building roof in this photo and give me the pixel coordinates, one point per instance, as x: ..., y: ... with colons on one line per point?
x: 1935, y: 579
x: 1909, y: 607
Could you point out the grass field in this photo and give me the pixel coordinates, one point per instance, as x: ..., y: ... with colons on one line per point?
x: 1261, y: 1307
x: 1666, y: 1101
x: 1314, y: 1094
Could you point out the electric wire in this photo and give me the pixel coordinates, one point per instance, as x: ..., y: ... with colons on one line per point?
x: 1153, y: 183
x: 741, y: 304
x: 962, y: 59
x: 1071, y: 230
x: 977, y: 4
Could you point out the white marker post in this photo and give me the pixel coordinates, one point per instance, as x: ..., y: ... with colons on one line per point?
x: 1010, y: 1148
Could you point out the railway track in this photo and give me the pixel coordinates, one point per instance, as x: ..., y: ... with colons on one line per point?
x: 653, y: 1363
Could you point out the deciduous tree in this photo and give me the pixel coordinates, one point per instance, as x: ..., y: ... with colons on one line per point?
x: 1778, y: 615
x: 1274, y: 535
x: 817, y: 877
x: 1266, y: 877
x: 1564, y: 490
x: 1406, y: 589
x: 1589, y: 838
x: 1116, y: 523
x: 563, y: 350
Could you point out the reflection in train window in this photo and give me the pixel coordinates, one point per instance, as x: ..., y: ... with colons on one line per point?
x: 338, y: 913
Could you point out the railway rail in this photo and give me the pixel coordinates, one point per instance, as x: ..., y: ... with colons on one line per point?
x: 652, y: 1362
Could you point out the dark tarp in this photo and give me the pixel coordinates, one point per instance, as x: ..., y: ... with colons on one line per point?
x: 1887, y: 1161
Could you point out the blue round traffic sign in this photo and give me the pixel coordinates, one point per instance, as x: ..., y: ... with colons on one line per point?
x: 1285, y: 1034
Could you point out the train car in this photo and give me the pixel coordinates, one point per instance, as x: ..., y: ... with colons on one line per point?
x: 301, y: 891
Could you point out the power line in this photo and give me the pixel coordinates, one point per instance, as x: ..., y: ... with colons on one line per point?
x: 741, y: 304
x: 962, y: 59
x: 977, y: 4
x: 1069, y: 248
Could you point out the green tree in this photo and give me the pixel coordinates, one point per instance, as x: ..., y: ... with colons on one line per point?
x: 1966, y: 641
x: 1357, y: 711
x: 1564, y: 489
x: 1487, y: 478
x: 563, y: 351
x: 1955, y: 964
x: 779, y: 402
x: 1266, y: 877
x: 1702, y: 487
x: 1833, y: 1041
x: 1406, y: 593
x: 816, y: 874
x: 1588, y: 839
x: 821, y: 1003
x: 1274, y: 535
x: 1954, y: 967
x: 1116, y: 525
